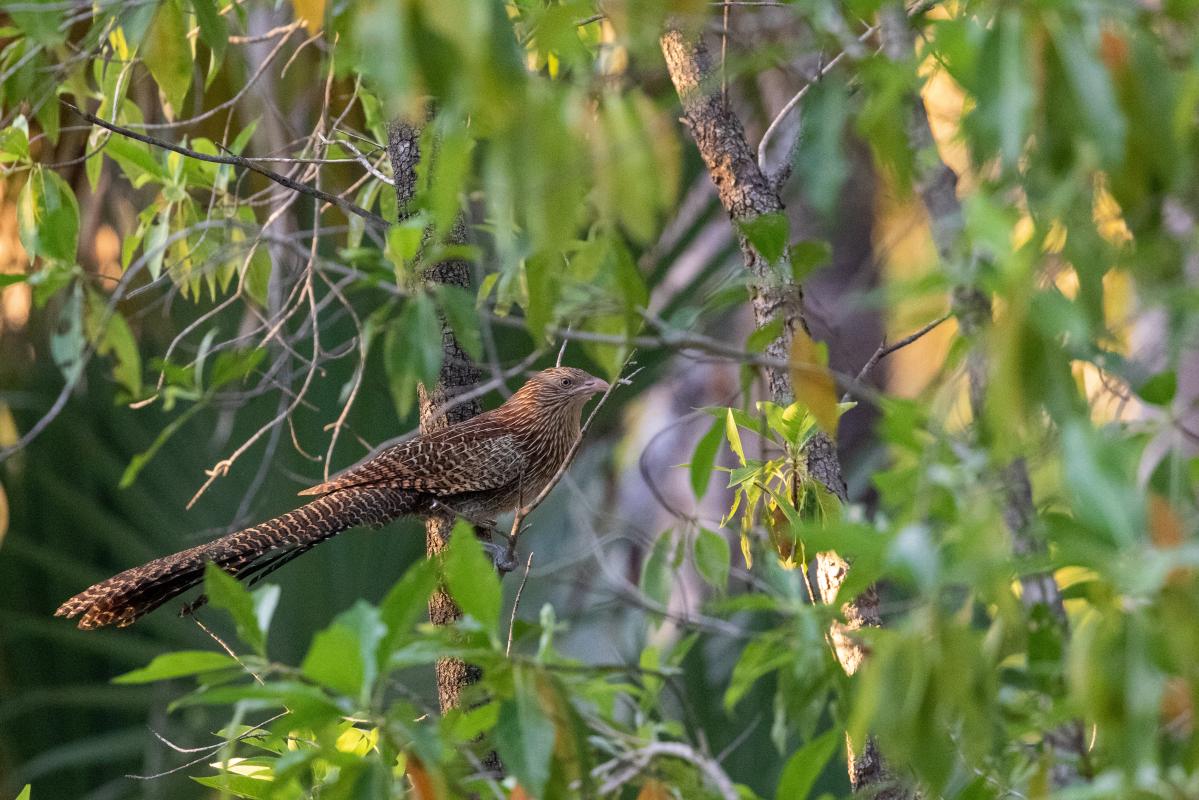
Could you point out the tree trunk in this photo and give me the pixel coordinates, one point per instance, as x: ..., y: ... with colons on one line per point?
x: 458, y: 374
x: 745, y: 194
x: 936, y: 184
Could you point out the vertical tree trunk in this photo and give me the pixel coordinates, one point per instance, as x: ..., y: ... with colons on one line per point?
x: 936, y: 184
x: 745, y: 194
x: 458, y: 374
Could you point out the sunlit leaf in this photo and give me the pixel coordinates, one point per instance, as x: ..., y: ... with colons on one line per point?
x: 312, y: 12
x: 48, y: 216
x: 179, y: 664
x: 812, y: 382
x: 733, y: 434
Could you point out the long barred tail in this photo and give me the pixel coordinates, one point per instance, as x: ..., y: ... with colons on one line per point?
x: 253, y: 552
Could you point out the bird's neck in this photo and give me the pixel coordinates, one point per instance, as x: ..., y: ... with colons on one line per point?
x: 548, y: 428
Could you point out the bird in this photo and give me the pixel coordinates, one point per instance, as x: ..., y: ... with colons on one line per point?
x: 475, y: 469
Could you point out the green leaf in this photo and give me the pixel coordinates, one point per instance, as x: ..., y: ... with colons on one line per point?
x: 234, y: 365
x: 1102, y: 489
x: 703, y: 460
x: 67, y: 342
x: 449, y: 171
x: 403, y: 245
x: 458, y: 306
x: 412, y: 351
x: 471, y: 578
x: 543, y: 283
x: 48, y: 217
x: 258, y: 786
x: 8, y: 279
x: 116, y: 340
x: 307, y: 703
x: 344, y: 655
x: 25, y: 793
x: 734, y: 436
x: 656, y: 572
x: 821, y: 167
x: 225, y: 592
x: 424, y: 332
x: 1004, y: 86
x: 14, y: 140
x: 767, y: 233
x: 525, y: 735
x: 166, y: 54
x: 1094, y: 96
x: 1159, y: 389
x: 807, y: 257
x: 214, y: 31
x: 761, y: 656
x: 178, y: 665
x: 806, y: 764
x: 760, y: 339
x: 407, y: 602
x: 712, y: 558
x: 140, y: 460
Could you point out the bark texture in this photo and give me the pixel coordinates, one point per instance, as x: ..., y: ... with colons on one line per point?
x: 458, y: 374
x: 936, y: 184
x: 746, y: 193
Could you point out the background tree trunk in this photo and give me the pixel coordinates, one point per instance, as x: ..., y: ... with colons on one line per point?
x: 746, y: 193
x: 458, y: 374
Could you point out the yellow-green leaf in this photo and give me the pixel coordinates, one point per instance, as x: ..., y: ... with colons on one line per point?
x: 812, y: 382
x: 167, y: 55
x: 734, y: 436
x: 312, y: 12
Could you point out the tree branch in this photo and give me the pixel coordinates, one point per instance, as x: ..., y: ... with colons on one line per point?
x: 746, y: 193
x: 458, y: 376
x: 237, y: 161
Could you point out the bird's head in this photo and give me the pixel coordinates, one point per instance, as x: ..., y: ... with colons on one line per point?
x: 562, y: 387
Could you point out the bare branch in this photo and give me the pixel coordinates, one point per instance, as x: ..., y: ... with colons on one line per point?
x: 237, y: 161
x: 624, y: 768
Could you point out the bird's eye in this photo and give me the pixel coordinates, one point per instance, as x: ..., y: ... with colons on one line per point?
x: 566, y: 382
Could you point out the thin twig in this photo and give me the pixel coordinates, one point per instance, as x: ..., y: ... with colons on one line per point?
x: 637, y: 760
x: 794, y: 101
x: 237, y: 161
x: 516, y: 604
x: 885, y: 349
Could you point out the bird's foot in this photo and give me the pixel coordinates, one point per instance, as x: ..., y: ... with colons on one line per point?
x: 503, y: 558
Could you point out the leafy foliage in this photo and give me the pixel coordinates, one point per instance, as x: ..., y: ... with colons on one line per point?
x: 232, y: 311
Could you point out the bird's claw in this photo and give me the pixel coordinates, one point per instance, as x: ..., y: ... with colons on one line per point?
x: 501, y: 556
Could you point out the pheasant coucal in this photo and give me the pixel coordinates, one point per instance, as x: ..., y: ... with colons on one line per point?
x: 476, y: 469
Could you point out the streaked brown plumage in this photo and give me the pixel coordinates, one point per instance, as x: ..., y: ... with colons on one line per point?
x: 477, y: 469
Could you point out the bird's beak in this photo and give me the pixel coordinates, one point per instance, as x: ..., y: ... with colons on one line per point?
x: 595, y: 386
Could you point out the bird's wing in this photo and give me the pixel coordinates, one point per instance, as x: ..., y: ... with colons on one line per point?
x: 463, y: 458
